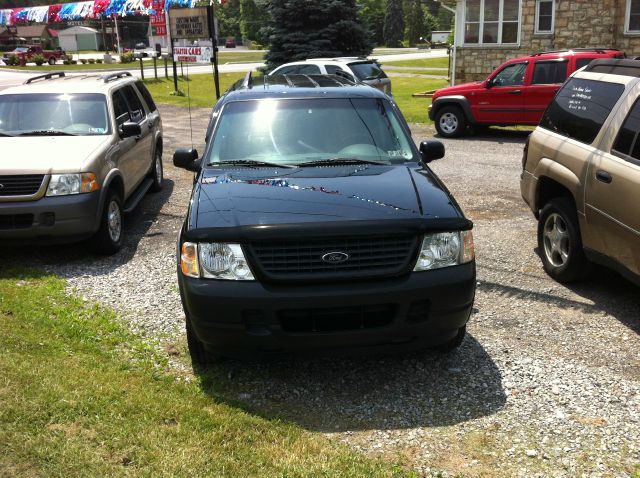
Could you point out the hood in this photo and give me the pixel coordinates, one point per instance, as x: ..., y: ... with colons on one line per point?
x: 47, y: 154
x: 305, y: 199
x: 457, y: 90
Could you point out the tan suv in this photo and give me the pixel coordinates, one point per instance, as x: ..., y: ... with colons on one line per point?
x: 581, y: 173
x: 77, y: 153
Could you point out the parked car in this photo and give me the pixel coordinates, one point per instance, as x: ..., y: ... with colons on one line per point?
x: 315, y: 222
x: 517, y: 92
x: 25, y: 54
x: 366, y: 71
x: 88, y: 147
x: 230, y: 43
x: 581, y: 173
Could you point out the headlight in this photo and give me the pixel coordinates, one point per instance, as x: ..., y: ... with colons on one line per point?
x: 445, y: 249
x: 214, y: 261
x: 64, y: 184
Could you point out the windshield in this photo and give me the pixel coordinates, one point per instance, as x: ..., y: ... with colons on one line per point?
x: 303, y: 130
x: 21, y: 49
x: 73, y: 114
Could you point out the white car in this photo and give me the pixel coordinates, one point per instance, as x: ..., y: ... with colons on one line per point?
x: 358, y: 69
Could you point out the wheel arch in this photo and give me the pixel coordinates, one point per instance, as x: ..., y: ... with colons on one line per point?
x: 556, y: 180
x: 459, y: 101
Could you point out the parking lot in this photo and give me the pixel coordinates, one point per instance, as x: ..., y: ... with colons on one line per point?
x: 547, y: 383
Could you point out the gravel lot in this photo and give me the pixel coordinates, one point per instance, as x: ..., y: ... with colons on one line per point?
x: 547, y: 382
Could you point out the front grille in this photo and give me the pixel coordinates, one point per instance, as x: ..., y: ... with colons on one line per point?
x: 20, y: 184
x: 15, y: 221
x: 336, y: 319
x: 369, y: 256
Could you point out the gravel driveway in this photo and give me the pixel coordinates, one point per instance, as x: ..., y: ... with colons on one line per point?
x: 547, y: 382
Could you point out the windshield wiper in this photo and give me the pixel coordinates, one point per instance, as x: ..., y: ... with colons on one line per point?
x: 250, y: 163
x: 338, y: 161
x: 46, y: 132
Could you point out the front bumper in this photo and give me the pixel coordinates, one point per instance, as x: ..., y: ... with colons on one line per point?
x: 50, y: 219
x: 422, y: 309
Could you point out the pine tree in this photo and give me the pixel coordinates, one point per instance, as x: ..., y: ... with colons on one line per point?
x: 308, y: 29
x: 394, y: 24
x: 415, y: 23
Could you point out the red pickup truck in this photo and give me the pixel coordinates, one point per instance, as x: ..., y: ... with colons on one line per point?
x: 27, y: 52
x: 517, y: 92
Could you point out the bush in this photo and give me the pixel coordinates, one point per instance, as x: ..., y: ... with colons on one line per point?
x: 423, y: 46
x: 66, y: 62
x: 91, y: 61
x: 256, y: 46
x: 38, y: 59
x: 13, y: 60
x: 83, y: 61
x: 99, y: 60
x: 74, y: 62
x: 127, y: 58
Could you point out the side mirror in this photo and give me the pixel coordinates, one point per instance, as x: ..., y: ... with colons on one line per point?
x: 431, y: 150
x: 186, y: 158
x: 130, y: 129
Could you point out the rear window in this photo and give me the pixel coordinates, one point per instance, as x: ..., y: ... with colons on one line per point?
x: 367, y: 71
x: 580, y: 108
x: 580, y: 62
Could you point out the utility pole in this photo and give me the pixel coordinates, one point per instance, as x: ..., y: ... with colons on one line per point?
x: 115, y: 19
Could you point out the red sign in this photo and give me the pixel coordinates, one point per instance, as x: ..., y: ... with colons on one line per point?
x: 159, y: 20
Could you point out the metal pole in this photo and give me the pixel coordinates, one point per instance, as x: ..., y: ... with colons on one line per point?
x: 166, y: 71
x: 141, y: 69
x: 155, y: 66
x: 175, y: 68
x: 213, y: 33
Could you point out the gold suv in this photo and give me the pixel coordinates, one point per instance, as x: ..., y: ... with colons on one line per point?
x: 581, y: 173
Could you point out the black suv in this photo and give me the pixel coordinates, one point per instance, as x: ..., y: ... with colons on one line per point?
x: 315, y: 222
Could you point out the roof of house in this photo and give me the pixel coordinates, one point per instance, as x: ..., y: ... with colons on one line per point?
x: 32, y: 31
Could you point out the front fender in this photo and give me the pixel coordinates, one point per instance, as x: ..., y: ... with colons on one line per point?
x: 456, y: 100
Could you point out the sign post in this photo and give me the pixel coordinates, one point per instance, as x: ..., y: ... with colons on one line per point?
x: 213, y: 34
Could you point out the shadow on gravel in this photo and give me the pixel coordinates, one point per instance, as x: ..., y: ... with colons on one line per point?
x: 339, y: 394
x: 72, y: 260
x: 494, y: 136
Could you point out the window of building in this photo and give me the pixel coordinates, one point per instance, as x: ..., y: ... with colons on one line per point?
x: 632, y: 17
x: 491, y: 22
x: 544, y: 16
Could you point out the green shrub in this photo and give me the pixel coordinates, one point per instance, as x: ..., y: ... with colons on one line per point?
x: 13, y: 60
x: 66, y: 62
x: 99, y: 60
x: 256, y: 46
x: 423, y: 46
x: 74, y: 62
x: 91, y: 61
x: 83, y: 61
x: 127, y: 57
x: 38, y: 59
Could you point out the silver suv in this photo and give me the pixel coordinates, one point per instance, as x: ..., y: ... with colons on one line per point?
x: 77, y: 153
x: 581, y: 173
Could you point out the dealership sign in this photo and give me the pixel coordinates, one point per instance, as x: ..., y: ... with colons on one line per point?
x: 189, y: 23
x: 192, y: 54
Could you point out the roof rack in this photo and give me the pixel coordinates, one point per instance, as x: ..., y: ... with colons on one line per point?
x: 48, y: 76
x: 595, y: 50
x: 115, y: 76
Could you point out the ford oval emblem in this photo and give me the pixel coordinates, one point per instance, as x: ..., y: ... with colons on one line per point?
x: 335, y: 257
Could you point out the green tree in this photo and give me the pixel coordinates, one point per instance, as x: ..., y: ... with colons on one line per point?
x: 302, y: 29
x: 228, y: 16
x: 394, y: 24
x: 415, y: 22
x: 254, y: 16
x: 372, y: 14
x: 430, y: 24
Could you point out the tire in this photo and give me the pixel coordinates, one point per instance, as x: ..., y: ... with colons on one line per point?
x: 450, y: 122
x: 157, y: 173
x: 453, y: 343
x: 559, y: 241
x: 52, y: 60
x: 109, y: 238
x: 200, y: 356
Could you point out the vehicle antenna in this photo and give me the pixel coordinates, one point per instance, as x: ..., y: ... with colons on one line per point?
x: 189, y: 106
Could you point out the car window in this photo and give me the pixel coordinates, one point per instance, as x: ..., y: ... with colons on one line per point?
x: 367, y: 71
x: 510, y: 75
x: 549, y: 72
x: 288, y: 70
x: 307, y: 129
x: 308, y: 70
x: 331, y: 69
x: 120, y: 108
x: 78, y: 114
x: 580, y: 108
x: 627, y: 144
x: 148, y: 99
x: 580, y: 62
x: 135, y: 105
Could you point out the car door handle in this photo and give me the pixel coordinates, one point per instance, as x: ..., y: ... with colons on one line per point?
x: 515, y: 92
x: 603, y: 176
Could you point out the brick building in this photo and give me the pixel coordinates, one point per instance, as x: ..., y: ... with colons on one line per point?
x: 488, y: 32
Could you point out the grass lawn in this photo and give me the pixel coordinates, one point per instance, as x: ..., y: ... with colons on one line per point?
x: 420, y: 63
x: 82, y: 396
x: 203, y: 93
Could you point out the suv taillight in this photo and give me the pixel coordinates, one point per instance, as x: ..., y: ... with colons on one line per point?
x: 525, y: 151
